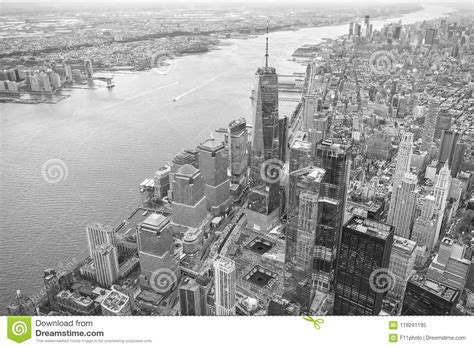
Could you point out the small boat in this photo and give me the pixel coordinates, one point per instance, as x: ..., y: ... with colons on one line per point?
x: 252, y: 95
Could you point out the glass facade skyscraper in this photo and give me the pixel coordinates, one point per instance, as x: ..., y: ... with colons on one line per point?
x: 364, y: 252
x: 334, y: 159
x: 264, y: 194
x: 225, y: 285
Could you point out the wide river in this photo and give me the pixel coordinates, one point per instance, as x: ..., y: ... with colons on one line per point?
x: 110, y: 140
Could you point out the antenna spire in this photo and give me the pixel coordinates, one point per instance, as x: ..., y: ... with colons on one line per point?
x: 266, y: 49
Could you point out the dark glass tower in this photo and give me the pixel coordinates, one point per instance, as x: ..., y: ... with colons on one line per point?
x: 449, y: 140
x: 428, y: 297
x: 365, y: 250
x: 334, y: 159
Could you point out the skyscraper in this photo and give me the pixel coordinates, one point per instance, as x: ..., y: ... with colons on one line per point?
x: 451, y: 265
x: 189, y: 201
x: 213, y: 164
x: 310, y: 108
x: 161, y: 180
x: 334, y: 158
x: 182, y: 158
x: 428, y: 297
x: 441, y: 191
x: 351, y: 29
x: 424, y: 228
x: 237, y: 139
x: 88, y: 69
x: 299, y: 166
x: 397, y: 32
x: 191, y: 298
x: 300, y: 155
x: 98, y: 234
x: 103, y: 251
x: 457, y: 158
x: 263, y: 199
x: 404, y: 156
x: 364, y: 253
x: 303, y: 218
x: 443, y: 122
x: 430, y: 36
x: 225, y: 285
x: 404, y: 207
x: 282, y: 138
x: 449, y: 141
x: 106, y: 264
x: 367, y: 25
x: 402, y: 261
x: 431, y: 117
x: 156, y: 254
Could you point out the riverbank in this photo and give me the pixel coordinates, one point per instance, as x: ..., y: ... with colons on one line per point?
x: 109, y: 140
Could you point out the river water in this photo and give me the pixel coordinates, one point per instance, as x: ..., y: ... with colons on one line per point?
x: 110, y: 140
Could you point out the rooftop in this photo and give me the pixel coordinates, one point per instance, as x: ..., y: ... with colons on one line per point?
x: 447, y: 241
x: 155, y: 219
x: 163, y: 170
x: 436, y: 288
x: 76, y: 297
x: 115, y: 301
x: 404, y: 245
x: 211, y: 145
x: 316, y: 174
x: 187, y: 169
x: 224, y: 262
x: 99, y: 226
x: 371, y: 227
x: 104, y: 248
x: 301, y: 144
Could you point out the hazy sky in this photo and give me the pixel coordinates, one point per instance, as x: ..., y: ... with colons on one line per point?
x: 228, y: 1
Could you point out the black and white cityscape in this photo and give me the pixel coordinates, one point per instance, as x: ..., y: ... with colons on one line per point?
x: 249, y: 159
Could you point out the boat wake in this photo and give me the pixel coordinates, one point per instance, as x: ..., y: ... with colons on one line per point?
x: 151, y: 90
x: 193, y: 89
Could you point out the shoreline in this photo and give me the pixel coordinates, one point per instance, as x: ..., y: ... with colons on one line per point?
x: 255, y: 35
x: 258, y: 35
